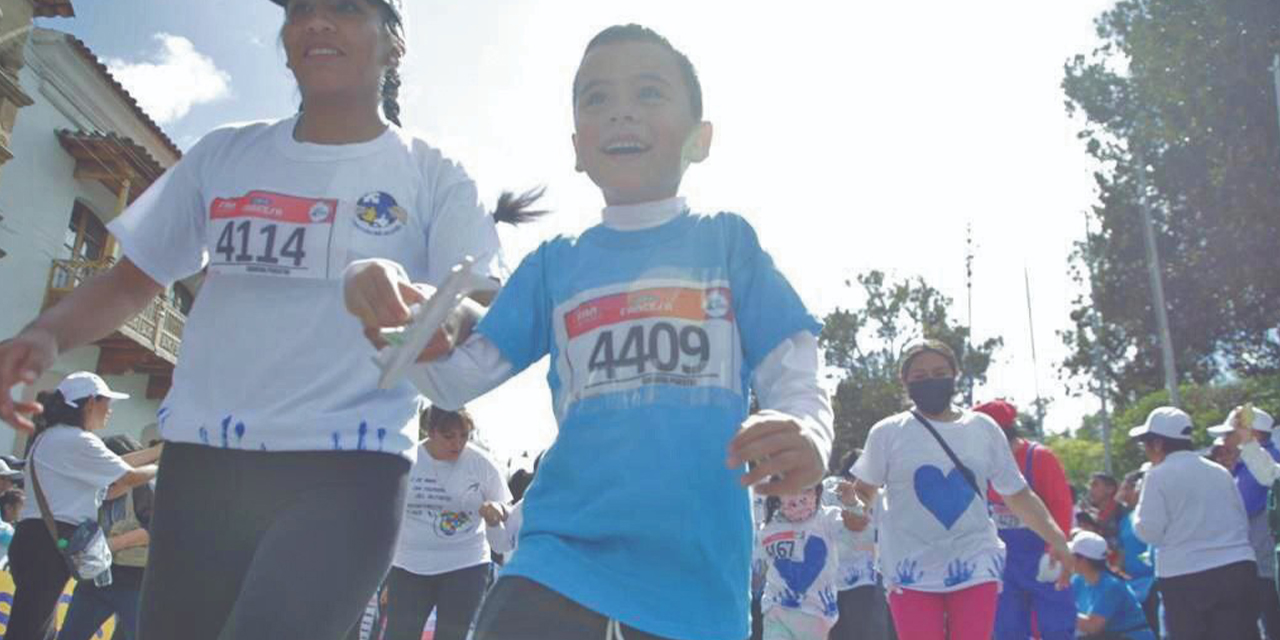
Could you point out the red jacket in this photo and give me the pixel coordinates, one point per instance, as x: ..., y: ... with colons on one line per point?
x: 1049, y: 482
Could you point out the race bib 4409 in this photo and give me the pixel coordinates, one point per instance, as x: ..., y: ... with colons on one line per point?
x: 647, y: 333
x: 264, y: 233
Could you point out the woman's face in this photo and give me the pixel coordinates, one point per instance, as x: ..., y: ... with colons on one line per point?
x: 926, y: 365
x: 447, y: 441
x: 336, y: 46
x: 97, y: 411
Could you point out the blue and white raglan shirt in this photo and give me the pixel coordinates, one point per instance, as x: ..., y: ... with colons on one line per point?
x: 655, y: 335
x: 802, y: 562
x: 270, y: 359
x: 856, y: 549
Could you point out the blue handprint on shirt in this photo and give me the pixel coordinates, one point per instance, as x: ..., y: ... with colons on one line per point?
x: 908, y: 572
x: 959, y: 572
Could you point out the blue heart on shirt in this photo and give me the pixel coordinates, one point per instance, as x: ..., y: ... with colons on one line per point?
x: 799, y: 576
x: 946, y: 497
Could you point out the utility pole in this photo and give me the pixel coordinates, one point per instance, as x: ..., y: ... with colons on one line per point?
x: 968, y: 283
x: 1275, y: 71
x: 1095, y: 351
x: 1035, y: 365
x: 1157, y: 286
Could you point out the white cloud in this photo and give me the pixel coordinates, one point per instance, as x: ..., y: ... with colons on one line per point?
x: 173, y: 79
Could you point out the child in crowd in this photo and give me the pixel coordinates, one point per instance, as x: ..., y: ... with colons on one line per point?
x: 864, y: 612
x: 799, y: 546
x: 659, y: 323
x: 1107, y: 608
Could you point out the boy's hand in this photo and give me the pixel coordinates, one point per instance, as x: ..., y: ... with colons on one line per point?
x: 776, y: 446
x: 494, y: 513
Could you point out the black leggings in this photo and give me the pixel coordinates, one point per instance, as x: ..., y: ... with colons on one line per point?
x: 248, y: 544
x: 454, y: 595
x: 520, y: 609
x: 39, y: 575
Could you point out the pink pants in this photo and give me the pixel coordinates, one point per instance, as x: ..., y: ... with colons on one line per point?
x: 968, y: 614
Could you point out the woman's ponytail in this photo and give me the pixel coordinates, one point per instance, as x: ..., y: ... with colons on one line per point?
x: 391, y: 95
x: 518, y: 209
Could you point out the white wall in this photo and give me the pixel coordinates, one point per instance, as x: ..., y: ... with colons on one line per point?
x: 38, y: 190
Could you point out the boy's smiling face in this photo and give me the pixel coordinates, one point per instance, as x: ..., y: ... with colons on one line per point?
x: 635, y: 127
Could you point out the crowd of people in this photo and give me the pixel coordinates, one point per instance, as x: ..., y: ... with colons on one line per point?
x: 684, y: 375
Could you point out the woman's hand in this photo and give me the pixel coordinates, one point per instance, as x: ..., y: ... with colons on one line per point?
x: 778, y: 449
x: 379, y: 293
x: 22, y: 360
x: 494, y: 513
x: 855, y: 522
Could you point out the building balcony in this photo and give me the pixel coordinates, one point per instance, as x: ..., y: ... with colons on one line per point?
x: 147, y: 343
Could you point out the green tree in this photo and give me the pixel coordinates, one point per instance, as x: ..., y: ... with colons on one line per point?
x: 1180, y: 114
x: 1080, y: 458
x: 865, y: 344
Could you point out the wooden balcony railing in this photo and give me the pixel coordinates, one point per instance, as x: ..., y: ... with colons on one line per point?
x: 157, y: 328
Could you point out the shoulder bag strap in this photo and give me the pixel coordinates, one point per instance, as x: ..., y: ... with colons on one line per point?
x: 964, y: 471
x: 46, y: 514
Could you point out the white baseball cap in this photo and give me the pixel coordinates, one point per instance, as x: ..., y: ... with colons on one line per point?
x: 1262, y: 421
x: 84, y: 384
x: 6, y: 472
x: 1089, y: 545
x: 1169, y: 422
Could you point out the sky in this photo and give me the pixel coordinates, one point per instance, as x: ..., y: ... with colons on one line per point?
x: 853, y: 136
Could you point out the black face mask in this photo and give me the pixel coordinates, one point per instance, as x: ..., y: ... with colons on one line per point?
x: 932, y: 395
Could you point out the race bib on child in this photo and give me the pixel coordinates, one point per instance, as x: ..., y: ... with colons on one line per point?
x: 646, y: 333
x: 264, y: 233
x: 1005, y: 518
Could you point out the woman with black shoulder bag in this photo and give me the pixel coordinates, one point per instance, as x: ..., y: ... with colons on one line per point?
x: 71, y: 472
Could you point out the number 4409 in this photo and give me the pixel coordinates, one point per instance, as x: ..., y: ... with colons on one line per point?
x: 661, y: 345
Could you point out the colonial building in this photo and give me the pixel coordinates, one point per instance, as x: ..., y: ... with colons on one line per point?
x: 81, y: 151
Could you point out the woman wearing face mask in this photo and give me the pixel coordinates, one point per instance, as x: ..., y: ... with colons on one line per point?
x: 939, y: 552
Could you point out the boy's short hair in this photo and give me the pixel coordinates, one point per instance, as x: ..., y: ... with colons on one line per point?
x: 639, y: 33
x: 1106, y: 479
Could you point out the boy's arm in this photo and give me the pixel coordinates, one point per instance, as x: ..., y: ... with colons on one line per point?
x: 791, y: 437
x: 467, y: 373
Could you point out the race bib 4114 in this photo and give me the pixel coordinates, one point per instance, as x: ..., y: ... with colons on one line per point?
x: 264, y: 233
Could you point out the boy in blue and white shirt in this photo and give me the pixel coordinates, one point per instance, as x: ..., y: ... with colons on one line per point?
x: 658, y: 322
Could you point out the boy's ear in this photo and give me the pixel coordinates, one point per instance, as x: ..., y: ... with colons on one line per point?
x: 577, y: 157
x: 698, y: 146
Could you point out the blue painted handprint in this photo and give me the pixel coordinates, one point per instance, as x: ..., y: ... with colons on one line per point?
x: 830, y: 607
x: 959, y: 572
x: 908, y: 572
x: 996, y: 570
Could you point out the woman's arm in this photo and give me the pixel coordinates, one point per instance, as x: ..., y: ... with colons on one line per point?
x: 90, y: 312
x: 129, y: 540
x: 150, y: 455
x: 139, y: 475
x: 1089, y: 624
x: 1028, y: 507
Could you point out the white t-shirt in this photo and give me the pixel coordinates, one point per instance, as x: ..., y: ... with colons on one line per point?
x: 801, y: 560
x: 442, y: 529
x: 856, y: 549
x: 75, y: 471
x: 936, y: 533
x: 270, y: 359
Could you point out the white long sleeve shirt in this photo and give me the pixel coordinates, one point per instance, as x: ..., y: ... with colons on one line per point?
x: 1260, y: 463
x: 1191, y: 512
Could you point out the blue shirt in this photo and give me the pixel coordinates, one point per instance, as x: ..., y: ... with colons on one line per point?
x: 1139, y: 558
x: 1111, y: 599
x: 1254, y: 494
x: 652, y: 336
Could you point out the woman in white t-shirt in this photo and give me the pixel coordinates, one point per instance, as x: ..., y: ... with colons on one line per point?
x: 276, y: 427
x: 76, y: 472
x: 938, y: 549
x: 442, y: 559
